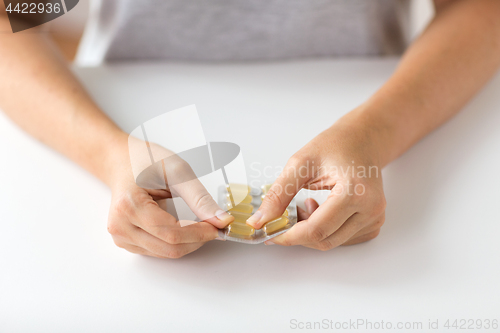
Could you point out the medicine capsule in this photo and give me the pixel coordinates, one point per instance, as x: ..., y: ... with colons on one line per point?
x: 238, y: 188
x: 285, y: 213
x: 265, y: 188
x: 241, y: 229
x: 240, y: 217
x: 242, y: 208
x: 239, y: 197
x: 275, y: 225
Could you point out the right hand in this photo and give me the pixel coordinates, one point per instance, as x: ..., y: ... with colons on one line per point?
x: 138, y: 224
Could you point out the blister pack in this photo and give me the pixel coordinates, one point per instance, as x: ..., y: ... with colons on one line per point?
x: 241, y: 201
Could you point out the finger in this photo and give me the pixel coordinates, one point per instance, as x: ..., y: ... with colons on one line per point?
x: 302, y: 214
x: 353, y: 225
x: 202, y: 204
x: 367, y: 230
x: 159, y: 194
x: 362, y: 238
x: 193, y: 233
x: 157, y: 222
x: 160, y: 248
x: 323, y: 222
x: 277, y: 199
x: 135, y: 249
x: 311, y: 205
x: 372, y: 227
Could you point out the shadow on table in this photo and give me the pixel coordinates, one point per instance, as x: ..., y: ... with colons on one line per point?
x: 404, y: 250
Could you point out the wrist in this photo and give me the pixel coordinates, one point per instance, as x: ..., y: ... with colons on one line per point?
x: 116, y: 166
x: 373, y: 134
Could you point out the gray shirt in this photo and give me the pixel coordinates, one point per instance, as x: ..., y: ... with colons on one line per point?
x: 241, y: 30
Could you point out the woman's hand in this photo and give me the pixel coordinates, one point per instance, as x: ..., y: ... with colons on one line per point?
x: 343, y: 159
x: 425, y: 90
x: 138, y: 224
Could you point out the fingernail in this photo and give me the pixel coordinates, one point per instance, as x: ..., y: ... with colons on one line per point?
x: 252, y: 220
x: 222, y: 215
x: 220, y: 236
x: 269, y: 242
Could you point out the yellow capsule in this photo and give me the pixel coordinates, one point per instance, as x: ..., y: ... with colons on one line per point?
x: 265, y: 188
x: 285, y: 213
x: 241, y: 229
x: 242, y: 208
x: 240, y: 217
x: 238, y: 188
x: 239, y: 197
x: 276, y: 225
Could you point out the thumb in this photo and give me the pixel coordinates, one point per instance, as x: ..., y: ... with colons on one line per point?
x: 202, y: 203
x: 283, y: 190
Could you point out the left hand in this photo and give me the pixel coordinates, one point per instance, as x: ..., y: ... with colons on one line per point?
x: 343, y: 159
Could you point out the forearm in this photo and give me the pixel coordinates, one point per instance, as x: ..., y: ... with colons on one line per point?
x: 40, y: 94
x: 443, y: 69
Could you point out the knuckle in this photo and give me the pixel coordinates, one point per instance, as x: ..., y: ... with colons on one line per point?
x: 273, y: 197
x: 204, y: 200
x: 177, y: 166
x: 374, y: 200
x: 316, y: 235
x: 174, y: 254
x: 380, y: 205
x: 172, y: 237
x: 374, y: 234
x: 122, y: 206
x: 325, y: 245
x: 119, y: 243
x: 142, y: 199
x: 379, y: 223
x: 114, y: 228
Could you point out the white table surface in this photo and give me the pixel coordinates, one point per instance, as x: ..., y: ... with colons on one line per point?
x: 437, y: 256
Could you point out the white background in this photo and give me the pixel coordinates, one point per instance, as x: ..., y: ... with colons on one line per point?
x: 437, y: 256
